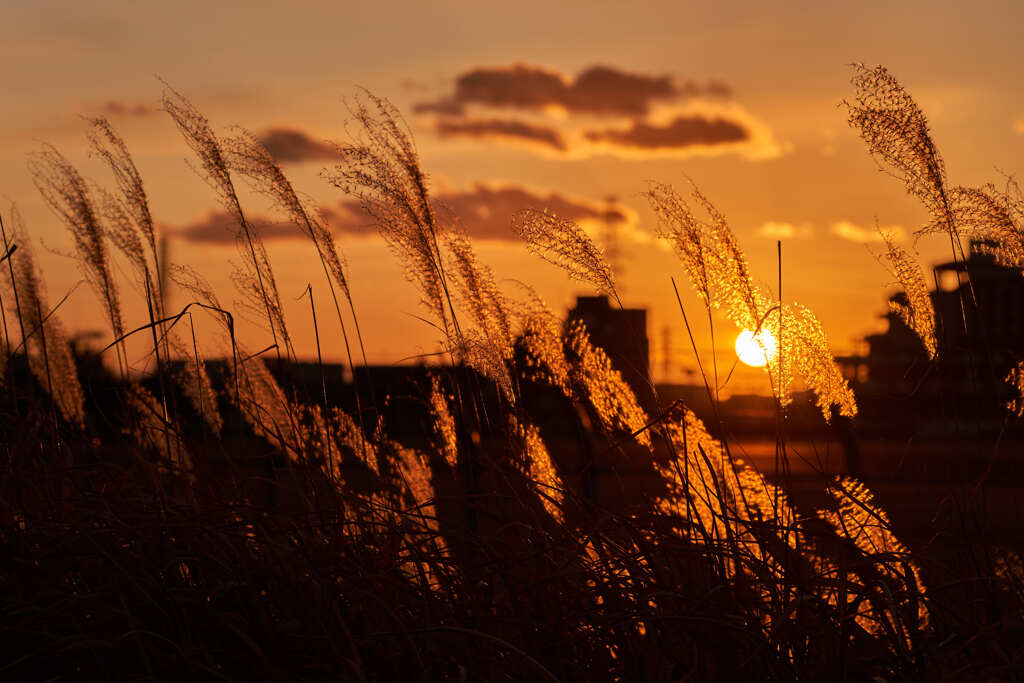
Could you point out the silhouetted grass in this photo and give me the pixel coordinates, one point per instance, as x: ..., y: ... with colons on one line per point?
x: 230, y: 527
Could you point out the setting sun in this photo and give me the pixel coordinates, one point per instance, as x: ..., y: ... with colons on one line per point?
x: 757, y: 350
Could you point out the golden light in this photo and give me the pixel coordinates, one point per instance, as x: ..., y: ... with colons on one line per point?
x: 756, y: 351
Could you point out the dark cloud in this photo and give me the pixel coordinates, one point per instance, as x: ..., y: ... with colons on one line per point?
x: 596, y: 90
x: 290, y: 144
x: 219, y: 227
x: 484, y: 212
x: 117, y: 108
x: 501, y: 128
x: 681, y: 132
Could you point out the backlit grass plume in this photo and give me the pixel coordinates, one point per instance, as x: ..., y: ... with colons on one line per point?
x: 540, y: 468
x: 542, y: 340
x: 563, y: 243
x: 248, y: 156
x: 857, y: 516
x: 194, y: 381
x: 444, y: 423
x: 677, y: 224
x: 487, y: 347
x: 993, y: 218
x: 133, y: 205
x: 1016, y: 381
x: 65, y: 191
x: 719, y: 271
x: 897, y: 134
x: 602, y: 385
x: 916, y: 311
x: 254, y: 277
x: 381, y: 170
x: 49, y: 356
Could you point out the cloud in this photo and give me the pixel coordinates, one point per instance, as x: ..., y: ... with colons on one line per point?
x: 683, y: 131
x: 219, y: 227
x: 118, y: 108
x: 518, y: 131
x: 601, y: 90
x: 856, y: 233
x: 290, y: 144
x: 483, y: 211
x: 781, y: 230
x: 698, y: 130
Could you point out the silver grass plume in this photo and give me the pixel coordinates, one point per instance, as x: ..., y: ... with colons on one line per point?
x: 719, y: 270
x: 897, y: 134
x: 917, y: 311
x: 487, y: 347
x: 66, y: 192
x: 381, y: 170
x: 540, y: 469
x: 256, y: 277
x: 563, y: 243
x: 603, y: 387
x: 444, y: 423
x: 134, y: 204
x: 46, y: 346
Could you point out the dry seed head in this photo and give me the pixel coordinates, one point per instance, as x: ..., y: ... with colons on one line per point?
x: 543, y: 343
x: 49, y: 354
x: 348, y: 434
x: 66, y: 192
x: 109, y: 146
x: 719, y: 270
x: 602, y: 385
x: 563, y: 243
x: 444, y: 423
x: 248, y: 156
x: 381, y: 170
x: 193, y: 380
x: 149, y: 429
x: 677, y: 224
x: 539, y: 468
x: 916, y: 311
x: 993, y: 217
x: 897, y: 134
x: 859, y: 518
x: 1016, y: 380
x: 487, y: 347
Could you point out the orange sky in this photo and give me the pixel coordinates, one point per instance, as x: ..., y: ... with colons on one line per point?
x: 507, y: 106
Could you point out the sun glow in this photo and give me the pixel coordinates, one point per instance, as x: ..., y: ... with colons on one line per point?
x: 757, y: 350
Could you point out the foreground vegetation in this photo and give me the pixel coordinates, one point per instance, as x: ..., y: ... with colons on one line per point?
x: 211, y: 521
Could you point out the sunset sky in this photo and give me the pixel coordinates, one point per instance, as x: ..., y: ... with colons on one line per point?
x: 571, y: 107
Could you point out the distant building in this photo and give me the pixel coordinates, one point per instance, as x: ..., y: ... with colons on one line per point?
x: 622, y: 333
x: 979, y: 310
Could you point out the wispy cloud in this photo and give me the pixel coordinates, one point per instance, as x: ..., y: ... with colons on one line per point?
x: 682, y: 131
x: 502, y: 129
x: 598, y: 90
x: 600, y: 111
x: 857, y: 233
x: 287, y: 144
x: 219, y: 227
x: 484, y: 211
x: 118, y: 108
x: 782, y: 230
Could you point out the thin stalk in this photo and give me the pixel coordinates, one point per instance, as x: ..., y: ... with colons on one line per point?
x: 14, y: 287
x: 160, y: 367
x: 323, y: 379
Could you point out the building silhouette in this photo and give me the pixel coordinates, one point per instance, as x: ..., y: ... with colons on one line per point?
x: 980, y: 337
x: 622, y: 333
